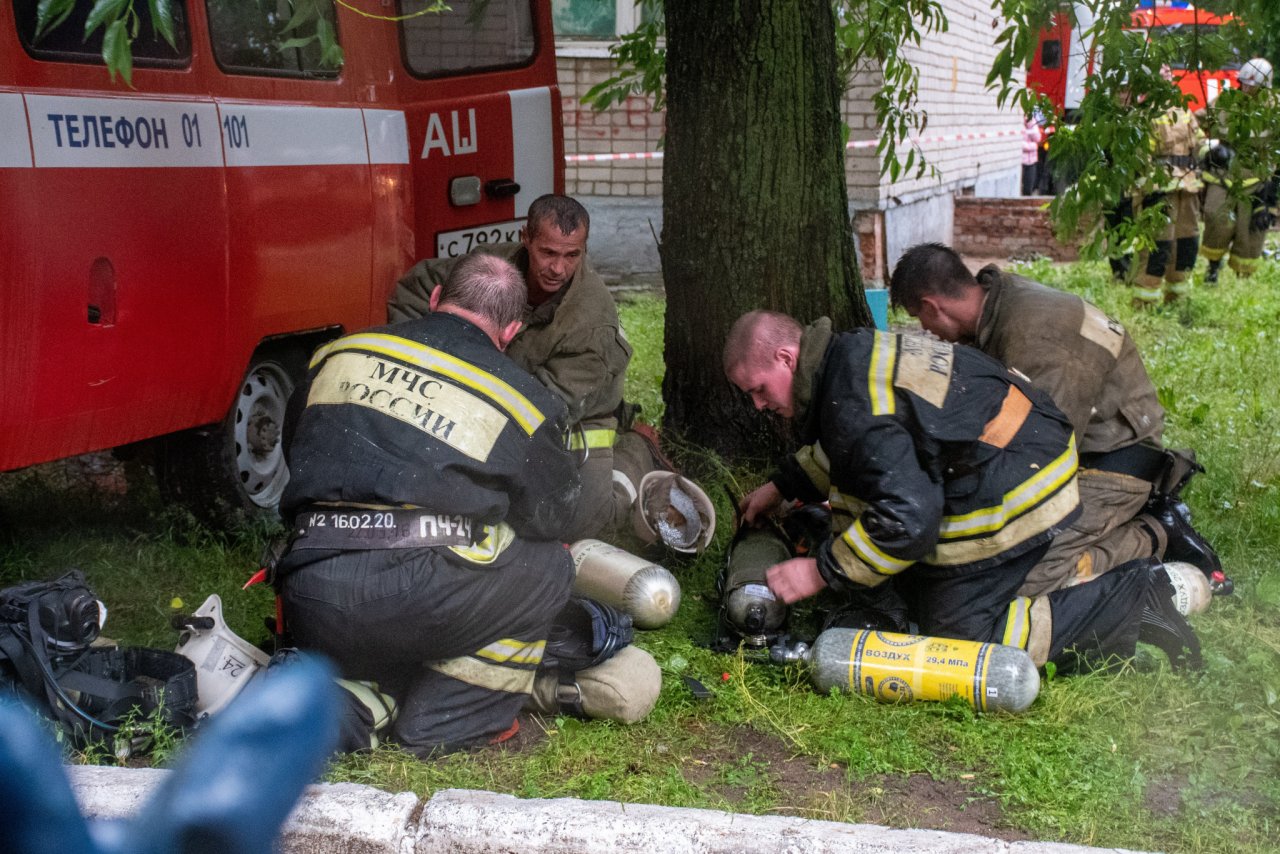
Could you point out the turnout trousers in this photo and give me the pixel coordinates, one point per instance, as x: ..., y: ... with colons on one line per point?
x: 455, y: 643
x: 1092, y: 623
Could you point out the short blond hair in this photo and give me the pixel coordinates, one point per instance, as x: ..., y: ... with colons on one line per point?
x: 756, y: 335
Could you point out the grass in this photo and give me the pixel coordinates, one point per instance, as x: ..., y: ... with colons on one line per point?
x: 1143, y: 759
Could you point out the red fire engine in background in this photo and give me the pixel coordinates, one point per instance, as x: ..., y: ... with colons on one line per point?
x: 171, y: 253
x: 1064, y: 60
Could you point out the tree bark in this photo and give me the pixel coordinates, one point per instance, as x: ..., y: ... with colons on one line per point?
x: 755, y: 210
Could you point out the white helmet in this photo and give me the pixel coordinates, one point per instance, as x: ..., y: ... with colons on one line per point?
x: 1256, y: 73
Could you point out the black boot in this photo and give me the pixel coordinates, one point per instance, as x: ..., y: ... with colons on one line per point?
x: 1211, y: 275
x: 1185, y: 544
x: 1164, y: 627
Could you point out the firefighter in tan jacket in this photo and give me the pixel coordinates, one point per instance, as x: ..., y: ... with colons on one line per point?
x: 1129, y: 482
x: 1164, y: 274
x: 1240, y: 168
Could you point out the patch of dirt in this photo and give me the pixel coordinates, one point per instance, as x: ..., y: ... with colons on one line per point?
x: 826, y: 792
x: 751, y: 771
x: 1164, y: 797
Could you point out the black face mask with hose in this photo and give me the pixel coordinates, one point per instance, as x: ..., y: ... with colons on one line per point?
x: 47, y: 630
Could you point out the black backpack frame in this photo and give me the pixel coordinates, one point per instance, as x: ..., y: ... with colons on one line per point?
x: 87, y: 691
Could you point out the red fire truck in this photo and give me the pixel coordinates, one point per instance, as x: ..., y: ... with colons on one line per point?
x: 1064, y: 60
x: 171, y: 253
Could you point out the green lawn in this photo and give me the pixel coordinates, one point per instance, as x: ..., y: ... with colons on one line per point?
x: 1144, y: 759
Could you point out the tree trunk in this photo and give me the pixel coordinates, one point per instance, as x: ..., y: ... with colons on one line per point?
x: 755, y: 211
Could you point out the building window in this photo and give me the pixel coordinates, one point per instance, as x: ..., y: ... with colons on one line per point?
x: 596, y: 20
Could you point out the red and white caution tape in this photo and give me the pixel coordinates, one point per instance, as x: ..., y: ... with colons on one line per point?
x: 954, y: 137
x: 862, y: 143
x: 601, y: 158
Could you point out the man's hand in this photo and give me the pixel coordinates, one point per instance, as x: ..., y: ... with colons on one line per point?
x: 795, y: 579
x: 762, y: 501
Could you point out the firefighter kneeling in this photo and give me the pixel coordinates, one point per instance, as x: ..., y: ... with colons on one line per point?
x: 429, y: 492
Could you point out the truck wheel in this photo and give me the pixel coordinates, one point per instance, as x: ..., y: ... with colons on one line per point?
x: 228, y: 472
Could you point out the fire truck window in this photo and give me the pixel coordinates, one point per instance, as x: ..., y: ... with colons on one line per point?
x: 66, y: 42
x: 1051, y: 54
x: 471, y: 35
x: 275, y: 38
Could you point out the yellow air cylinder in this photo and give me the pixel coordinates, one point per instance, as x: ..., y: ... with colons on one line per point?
x: 635, y: 586
x: 893, y: 667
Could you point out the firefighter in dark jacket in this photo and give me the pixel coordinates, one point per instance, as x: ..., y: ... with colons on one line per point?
x: 573, y: 342
x: 1090, y: 367
x: 430, y: 491
x: 946, y: 472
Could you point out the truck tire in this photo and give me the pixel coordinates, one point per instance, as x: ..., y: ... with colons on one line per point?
x: 234, y: 471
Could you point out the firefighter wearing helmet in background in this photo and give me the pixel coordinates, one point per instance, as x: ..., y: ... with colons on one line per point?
x: 1164, y: 273
x: 1240, y: 166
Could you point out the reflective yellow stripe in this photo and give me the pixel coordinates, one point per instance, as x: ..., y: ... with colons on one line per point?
x: 497, y: 538
x: 1017, y: 625
x: 852, y: 567
x: 483, y: 674
x: 1017, y: 501
x: 884, y: 354
x: 855, y: 537
x: 510, y: 651
x: 519, y: 407
x: 595, y: 438
x: 1026, y: 526
x: 1212, y: 254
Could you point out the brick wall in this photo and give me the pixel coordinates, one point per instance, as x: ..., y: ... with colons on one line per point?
x: 952, y: 90
x: 630, y: 127
x: 1006, y: 228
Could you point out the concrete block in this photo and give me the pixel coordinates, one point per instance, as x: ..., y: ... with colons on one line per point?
x: 469, y: 822
x: 338, y: 818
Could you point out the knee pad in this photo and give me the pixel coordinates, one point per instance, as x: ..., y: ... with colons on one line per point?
x: 625, y: 689
x: 1187, y: 249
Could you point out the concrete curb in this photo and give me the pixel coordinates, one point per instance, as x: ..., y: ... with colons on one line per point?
x: 346, y: 818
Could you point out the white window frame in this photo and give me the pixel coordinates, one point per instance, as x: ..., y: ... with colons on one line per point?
x: 626, y: 17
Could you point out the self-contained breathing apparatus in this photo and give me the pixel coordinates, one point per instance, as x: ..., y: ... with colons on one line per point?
x: 750, y: 614
x: 47, y: 629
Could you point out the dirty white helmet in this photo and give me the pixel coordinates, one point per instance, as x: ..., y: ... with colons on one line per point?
x: 1256, y: 73
x: 675, y: 510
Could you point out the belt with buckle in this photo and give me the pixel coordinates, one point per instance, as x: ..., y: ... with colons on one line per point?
x: 344, y: 528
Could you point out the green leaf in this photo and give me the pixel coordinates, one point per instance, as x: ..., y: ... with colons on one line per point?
x: 116, y: 52
x: 332, y: 57
x: 162, y: 20
x: 289, y: 44
x: 108, y: 12
x: 330, y: 50
x: 303, y: 11
x: 51, y: 13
